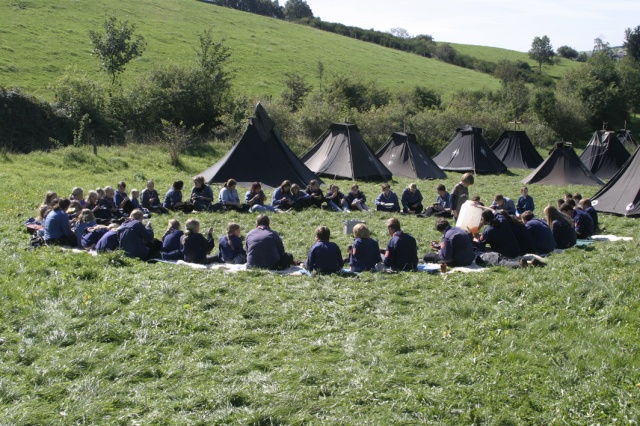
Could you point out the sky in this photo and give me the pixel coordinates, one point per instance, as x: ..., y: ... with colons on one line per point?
x: 510, y: 24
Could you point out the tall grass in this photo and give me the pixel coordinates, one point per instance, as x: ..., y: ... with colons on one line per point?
x: 110, y: 340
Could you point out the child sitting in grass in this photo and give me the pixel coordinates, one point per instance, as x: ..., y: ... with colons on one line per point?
x: 230, y: 249
x: 171, y: 242
x: 195, y: 246
x: 324, y: 256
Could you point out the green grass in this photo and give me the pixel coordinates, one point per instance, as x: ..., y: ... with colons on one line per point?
x: 109, y: 340
x: 495, y: 54
x: 41, y: 39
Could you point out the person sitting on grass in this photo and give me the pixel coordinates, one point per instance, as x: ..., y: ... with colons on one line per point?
x: 201, y: 195
x: 460, y: 193
x: 108, y: 240
x: 525, y: 202
x: 265, y: 248
x: 411, y: 200
x: 365, y: 251
x: 334, y: 196
x: 455, y: 248
x: 587, y: 206
x: 57, y: 228
x: 387, y: 201
x: 561, y: 228
x: 582, y: 222
x: 504, y: 204
x: 401, y: 253
x: 136, y: 239
x: 355, y: 200
x: 172, y: 242
x: 195, y: 247
x: 300, y: 198
x: 282, y: 198
x: 150, y: 199
x: 324, y: 256
x: 85, y: 220
x: 230, y: 249
x: 498, y: 235
x: 108, y: 208
x: 255, y: 199
x: 122, y: 200
x: 317, y: 198
x: 442, y: 206
x: 541, y: 235
x: 173, y: 199
x: 77, y: 194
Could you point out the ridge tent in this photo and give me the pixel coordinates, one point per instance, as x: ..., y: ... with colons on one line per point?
x: 404, y: 157
x: 515, y: 150
x: 626, y: 138
x: 604, y: 155
x: 469, y: 152
x: 562, y: 167
x: 621, y: 195
x: 342, y: 153
x: 260, y: 156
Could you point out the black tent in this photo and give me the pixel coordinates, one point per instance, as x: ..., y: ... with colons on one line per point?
x: 341, y: 152
x: 621, y: 195
x: 260, y: 156
x: 563, y: 167
x: 604, y: 155
x: 469, y: 152
x: 625, y: 137
x: 515, y: 150
x: 404, y: 157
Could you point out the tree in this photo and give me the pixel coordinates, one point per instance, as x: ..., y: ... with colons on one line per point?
x: 117, y: 46
x: 541, y: 51
x: 212, y: 58
x: 295, y: 10
x: 632, y: 43
x: 400, y: 32
x: 567, y: 52
x: 297, y: 89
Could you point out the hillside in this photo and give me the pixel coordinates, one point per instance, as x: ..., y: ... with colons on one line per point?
x: 41, y: 39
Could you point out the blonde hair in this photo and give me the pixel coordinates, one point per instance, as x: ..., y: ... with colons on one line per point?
x: 191, y: 225
x: 134, y: 191
x: 172, y: 225
x: 361, y: 231
x: 231, y: 228
x: 49, y: 197
x: 86, y: 216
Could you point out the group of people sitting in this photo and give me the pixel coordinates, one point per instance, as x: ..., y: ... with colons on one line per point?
x: 108, y: 219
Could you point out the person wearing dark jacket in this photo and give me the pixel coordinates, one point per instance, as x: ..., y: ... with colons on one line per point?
x: 365, y: 253
x: 401, y: 253
x: 455, y: 248
x: 195, y: 247
x: 498, y: 235
x: 387, y: 201
x: 324, y: 256
x: 412, y: 199
x: 541, y: 235
x: 582, y: 222
x: 561, y: 227
x: 134, y: 238
x: 265, y: 248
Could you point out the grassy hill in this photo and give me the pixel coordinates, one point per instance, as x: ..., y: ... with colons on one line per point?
x: 109, y: 340
x: 40, y: 39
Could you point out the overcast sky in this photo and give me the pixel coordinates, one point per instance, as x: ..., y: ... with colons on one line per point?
x: 511, y: 24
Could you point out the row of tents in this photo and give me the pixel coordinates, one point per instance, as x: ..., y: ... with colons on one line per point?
x: 341, y: 152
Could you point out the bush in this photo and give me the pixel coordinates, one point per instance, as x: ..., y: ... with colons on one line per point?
x: 30, y: 124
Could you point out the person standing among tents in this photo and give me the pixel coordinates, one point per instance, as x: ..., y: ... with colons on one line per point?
x: 460, y: 193
x: 387, y: 201
x: 412, y: 199
x: 355, y: 199
x: 402, y: 252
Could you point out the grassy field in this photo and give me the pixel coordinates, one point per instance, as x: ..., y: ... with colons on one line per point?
x: 109, y: 340
x: 40, y: 40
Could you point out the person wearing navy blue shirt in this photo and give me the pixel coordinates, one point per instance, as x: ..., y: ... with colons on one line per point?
x: 109, y: 240
x: 230, y: 249
x: 121, y: 199
x: 525, y: 202
x: 324, y: 256
x: 455, y: 249
x: 522, y: 234
x: 561, y: 226
x: 335, y: 196
x: 201, y: 195
x: 402, y: 252
x: 387, y: 201
x: 150, y: 200
x: 282, y: 197
x: 172, y: 242
x: 503, y: 203
x: 411, y: 199
x: 135, y: 238
x: 107, y: 206
x: 541, y: 234
x: 365, y: 252
x: 57, y: 228
x: 265, y: 248
x: 498, y: 235
x: 355, y: 199
x: 195, y: 247
x: 173, y: 198
x: 586, y: 205
x: 300, y: 198
x: 582, y: 222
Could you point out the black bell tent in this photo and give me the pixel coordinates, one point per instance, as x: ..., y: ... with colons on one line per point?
x: 515, y: 150
x: 563, y: 167
x: 469, y: 152
x: 404, y: 157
